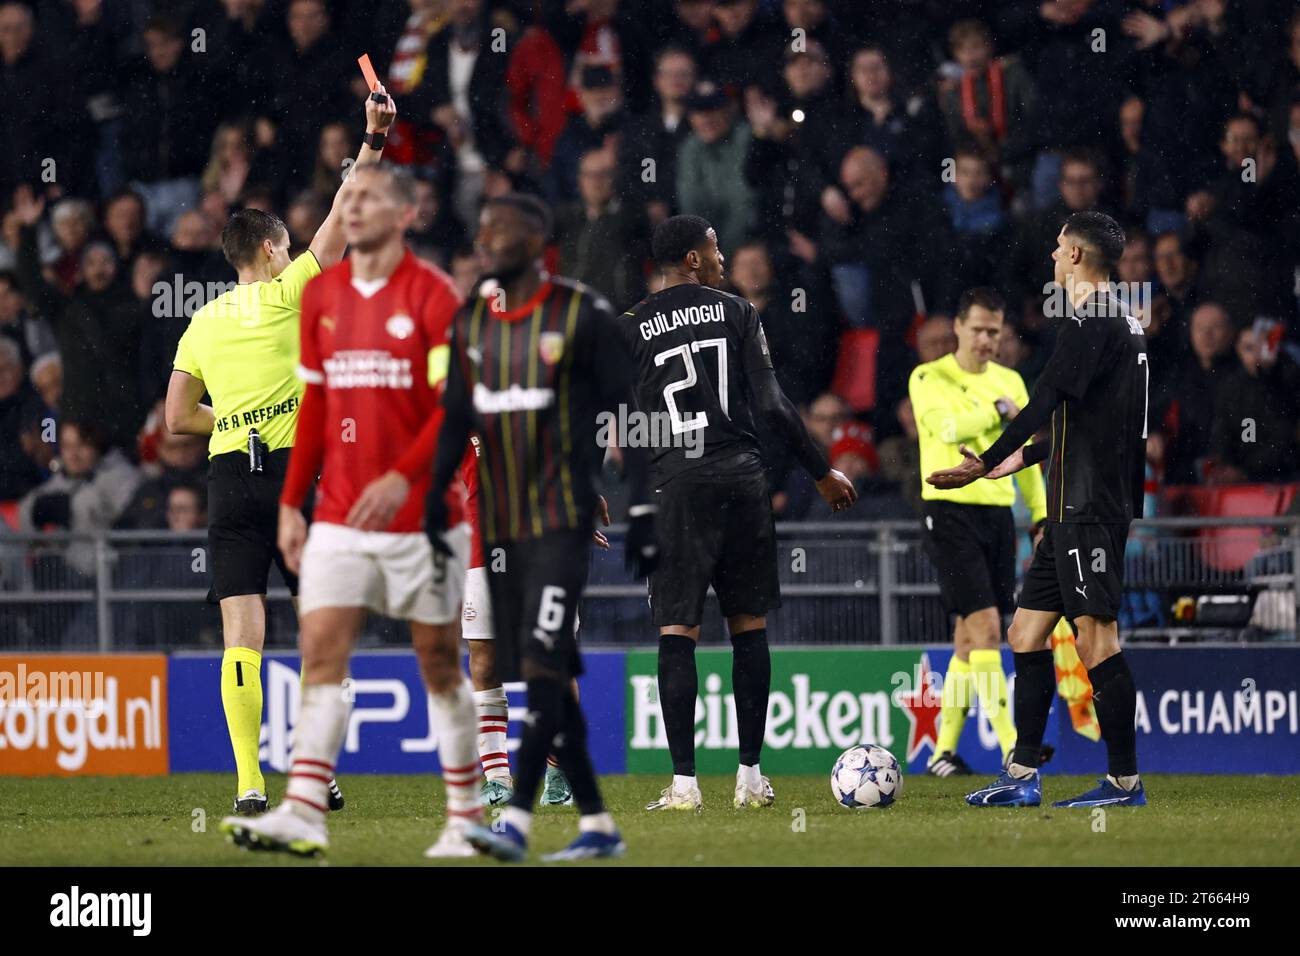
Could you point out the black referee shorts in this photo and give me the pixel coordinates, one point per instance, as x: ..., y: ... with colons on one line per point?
x: 973, y: 548
x: 1077, y: 570
x: 719, y: 532
x: 243, y: 515
x: 535, y: 602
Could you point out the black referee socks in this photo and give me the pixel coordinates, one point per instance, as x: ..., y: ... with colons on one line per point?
x: 1035, y: 687
x: 678, y: 683
x: 1114, y: 697
x: 751, y: 680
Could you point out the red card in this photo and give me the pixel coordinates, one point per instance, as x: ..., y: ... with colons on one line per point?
x: 368, y: 71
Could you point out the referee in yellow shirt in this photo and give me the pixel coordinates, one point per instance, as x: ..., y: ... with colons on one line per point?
x: 969, y: 533
x: 241, y: 349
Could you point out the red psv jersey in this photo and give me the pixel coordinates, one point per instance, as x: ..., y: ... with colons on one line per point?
x: 370, y: 345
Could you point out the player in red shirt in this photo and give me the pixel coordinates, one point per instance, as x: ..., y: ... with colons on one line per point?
x: 373, y: 355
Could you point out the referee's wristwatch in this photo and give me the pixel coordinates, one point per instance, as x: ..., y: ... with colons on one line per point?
x: 1004, y: 410
x: 375, y: 140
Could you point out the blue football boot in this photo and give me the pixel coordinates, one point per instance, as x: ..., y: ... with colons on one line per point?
x: 1107, y: 794
x: 1007, y: 791
x: 590, y: 846
x: 501, y: 841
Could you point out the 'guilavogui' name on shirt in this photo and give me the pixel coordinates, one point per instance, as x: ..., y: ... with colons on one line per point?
x: 659, y: 323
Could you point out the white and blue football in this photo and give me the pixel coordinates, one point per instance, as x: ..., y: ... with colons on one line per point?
x: 866, y: 776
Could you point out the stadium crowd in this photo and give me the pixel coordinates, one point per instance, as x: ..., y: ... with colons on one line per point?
x: 864, y: 161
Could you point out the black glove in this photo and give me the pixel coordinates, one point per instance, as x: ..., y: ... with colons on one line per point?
x: 1033, y: 532
x: 641, y: 547
x: 435, y: 522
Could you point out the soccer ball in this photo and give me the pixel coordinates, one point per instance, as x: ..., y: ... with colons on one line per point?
x: 866, y: 776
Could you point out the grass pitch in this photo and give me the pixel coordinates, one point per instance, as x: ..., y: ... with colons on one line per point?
x: 390, y: 820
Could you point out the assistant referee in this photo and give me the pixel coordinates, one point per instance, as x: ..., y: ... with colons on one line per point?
x: 241, y: 349
x: 969, y: 533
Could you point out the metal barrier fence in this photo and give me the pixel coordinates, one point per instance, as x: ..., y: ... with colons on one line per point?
x: 1187, y: 579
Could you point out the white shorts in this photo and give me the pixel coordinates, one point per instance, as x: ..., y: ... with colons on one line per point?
x: 476, y: 612
x: 393, y: 574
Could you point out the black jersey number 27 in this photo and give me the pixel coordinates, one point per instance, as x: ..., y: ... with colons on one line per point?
x: 682, y: 424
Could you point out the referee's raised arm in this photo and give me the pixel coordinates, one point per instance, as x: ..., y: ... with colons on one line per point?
x: 328, y: 243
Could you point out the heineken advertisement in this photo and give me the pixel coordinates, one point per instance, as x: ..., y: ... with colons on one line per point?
x: 822, y: 702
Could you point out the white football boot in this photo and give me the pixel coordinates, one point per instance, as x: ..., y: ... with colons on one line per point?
x: 281, y: 830
x: 674, y: 797
x: 451, y: 843
x: 753, y: 790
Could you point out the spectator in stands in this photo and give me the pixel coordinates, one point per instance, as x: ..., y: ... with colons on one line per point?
x: 1184, y: 408
x: 97, y: 330
x: 656, y: 136
x: 827, y: 413
x: 166, y: 125
x: 795, y: 490
x: 73, y: 221
x: 1176, y: 273
x: 821, y: 27
x: 196, y: 249
x: 1244, y: 225
x: 709, y: 164
x: 462, y: 91
x: 979, y: 226
x: 182, y: 462
x: 29, y: 332
x: 607, y: 33
x: 161, y: 327
x: 124, y: 225
x: 19, y: 405
x: 935, y: 338
x: 316, y: 88
x: 333, y: 149
x: 46, y: 376
x: 1058, y: 40
x: 588, y: 229
x: 229, y: 163
x: 880, y: 248
x: 86, y: 495
x: 747, y: 46
x: 900, y: 455
x: 800, y: 336
x: 1257, y: 403
x: 777, y: 166
x: 535, y: 80
x: 992, y: 104
x: 303, y: 216
x: 906, y: 133
x: 598, y: 126
x: 1078, y: 189
x: 242, y: 47
x: 30, y: 81
x: 1131, y: 161
x: 187, y: 508
x: 435, y: 224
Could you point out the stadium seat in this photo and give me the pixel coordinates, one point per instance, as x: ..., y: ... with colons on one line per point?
x: 855, y: 369
x: 1229, y: 549
x: 9, y: 511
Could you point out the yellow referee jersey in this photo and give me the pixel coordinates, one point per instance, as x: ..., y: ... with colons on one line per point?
x: 955, y: 407
x: 244, y: 346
